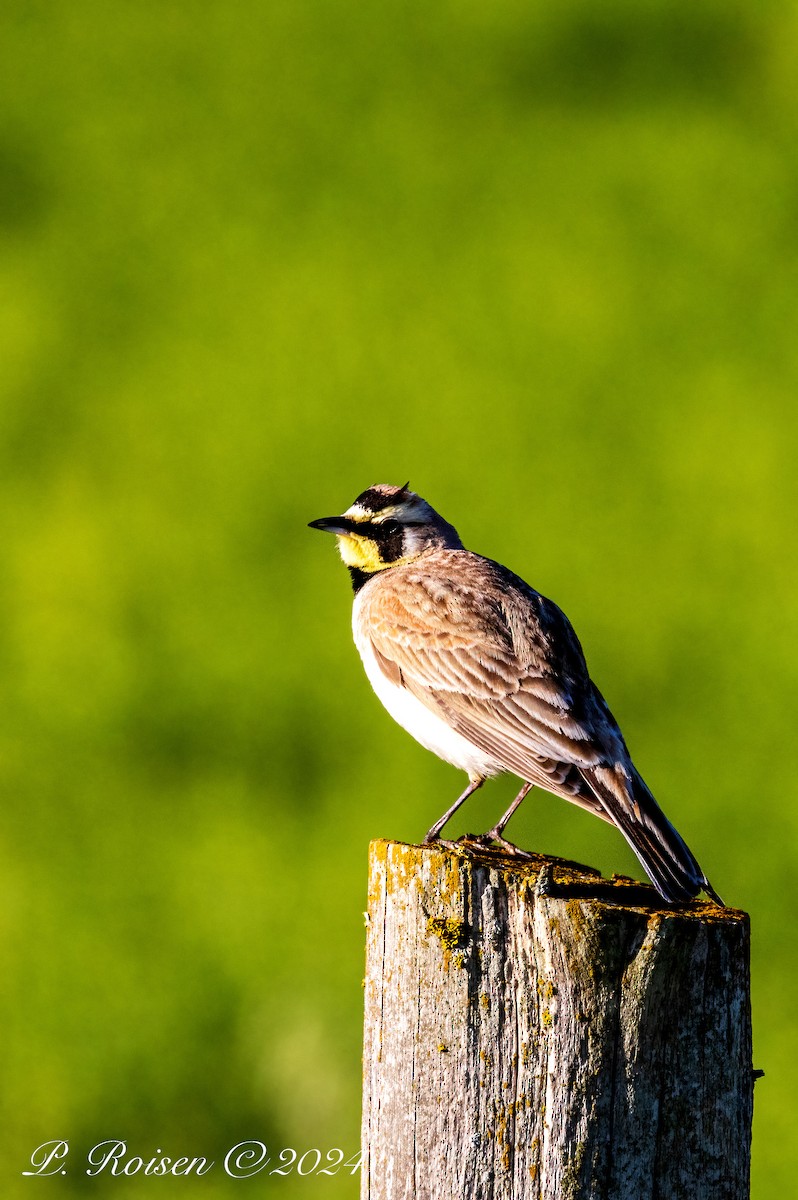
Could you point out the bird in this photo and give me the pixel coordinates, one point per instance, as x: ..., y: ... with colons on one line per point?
x: 487, y: 673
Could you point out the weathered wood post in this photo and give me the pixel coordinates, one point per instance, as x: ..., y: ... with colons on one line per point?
x: 535, y: 1032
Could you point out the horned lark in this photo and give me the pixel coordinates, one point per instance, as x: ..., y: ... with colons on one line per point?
x: 487, y: 673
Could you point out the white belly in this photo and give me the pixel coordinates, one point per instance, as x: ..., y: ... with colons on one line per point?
x: 425, y: 726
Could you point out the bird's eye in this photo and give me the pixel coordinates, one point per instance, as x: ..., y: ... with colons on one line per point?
x: 390, y: 526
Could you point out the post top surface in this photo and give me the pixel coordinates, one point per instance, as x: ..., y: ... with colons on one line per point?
x: 557, y: 878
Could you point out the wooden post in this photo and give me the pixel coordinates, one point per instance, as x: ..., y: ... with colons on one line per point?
x: 535, y: 1032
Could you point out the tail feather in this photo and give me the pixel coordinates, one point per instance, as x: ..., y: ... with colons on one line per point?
x: 663, y: 853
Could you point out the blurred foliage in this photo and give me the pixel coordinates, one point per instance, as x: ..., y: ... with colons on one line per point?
x: 254, y: 258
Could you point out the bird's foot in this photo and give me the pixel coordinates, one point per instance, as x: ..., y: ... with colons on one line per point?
x: 480, y: 841
x: 439, y: 841
x: 495, y: 838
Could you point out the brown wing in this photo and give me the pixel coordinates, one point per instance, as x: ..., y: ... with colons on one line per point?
x: 501, y: 664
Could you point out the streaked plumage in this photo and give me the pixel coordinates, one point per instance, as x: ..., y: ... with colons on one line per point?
x: 489, y: 674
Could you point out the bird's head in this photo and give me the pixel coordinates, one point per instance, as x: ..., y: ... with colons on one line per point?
x: 386, y: 527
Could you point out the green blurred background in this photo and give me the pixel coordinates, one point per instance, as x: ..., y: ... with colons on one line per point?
x: 254, y: 257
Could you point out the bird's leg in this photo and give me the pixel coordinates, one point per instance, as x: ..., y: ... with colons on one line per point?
x: 434, y: 834
x: 496, y: 834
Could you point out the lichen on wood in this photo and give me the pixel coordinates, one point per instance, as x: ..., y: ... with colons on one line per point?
x: 535, y: 1032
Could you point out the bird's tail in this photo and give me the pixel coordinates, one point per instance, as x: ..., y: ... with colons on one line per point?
x: 665, y: 856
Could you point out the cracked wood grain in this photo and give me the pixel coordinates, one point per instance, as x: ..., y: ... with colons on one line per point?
x: 535, y: 1032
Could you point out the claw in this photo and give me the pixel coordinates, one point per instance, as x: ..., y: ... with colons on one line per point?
x: 509, y: 848
x: 491, y: 839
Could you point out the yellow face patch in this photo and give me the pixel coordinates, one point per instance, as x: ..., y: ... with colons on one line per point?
x: 360, y: 552
x: 363, y: 553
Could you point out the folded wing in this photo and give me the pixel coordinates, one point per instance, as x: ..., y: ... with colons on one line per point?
x: 503, y: 666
